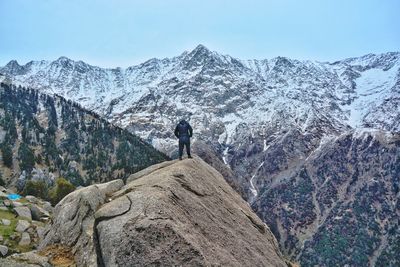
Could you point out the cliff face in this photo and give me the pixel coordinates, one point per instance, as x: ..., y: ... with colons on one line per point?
x: 176, y: 213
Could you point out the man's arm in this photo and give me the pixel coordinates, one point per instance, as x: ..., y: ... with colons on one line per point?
x: 176, y: 131
x: 190, y: 131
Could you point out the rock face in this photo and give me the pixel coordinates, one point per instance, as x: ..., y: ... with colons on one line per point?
x: 182, y: 213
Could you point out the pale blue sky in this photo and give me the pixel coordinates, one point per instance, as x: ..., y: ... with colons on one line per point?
x: 122, y: 33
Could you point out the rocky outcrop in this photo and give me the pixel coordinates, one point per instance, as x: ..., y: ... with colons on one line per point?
x: 181, y: 213
x: 74, y: 220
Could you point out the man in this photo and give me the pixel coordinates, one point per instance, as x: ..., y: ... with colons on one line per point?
x: 184, y: 131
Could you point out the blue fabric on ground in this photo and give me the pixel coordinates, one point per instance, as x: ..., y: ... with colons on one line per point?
x: 13, y: 196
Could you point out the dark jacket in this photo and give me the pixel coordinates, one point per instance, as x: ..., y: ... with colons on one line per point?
x: 183, y: 131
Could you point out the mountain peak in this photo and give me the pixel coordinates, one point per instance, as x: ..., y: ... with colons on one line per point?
x: 201, y: 50
x: 13, y: 68
x: 13, y: 63
x: 64, y: 59
x: 201, y: 47
x: 198, y: 57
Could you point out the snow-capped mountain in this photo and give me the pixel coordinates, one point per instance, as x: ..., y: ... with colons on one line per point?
x: 217, y: 89
x: 265, y: 119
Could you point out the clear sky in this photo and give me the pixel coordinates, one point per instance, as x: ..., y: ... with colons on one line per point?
x: 112, y: 33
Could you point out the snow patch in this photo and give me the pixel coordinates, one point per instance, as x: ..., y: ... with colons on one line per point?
x: 371, y: 89
x: 253, y: 189
x: 224, y: 156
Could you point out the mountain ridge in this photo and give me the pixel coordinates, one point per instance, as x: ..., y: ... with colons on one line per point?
x: 134, y: 83
x: 202, y: 47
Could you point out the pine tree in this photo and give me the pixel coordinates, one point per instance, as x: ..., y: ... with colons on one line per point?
x: 7, y: 154
x: 26, y: 157
x: 2, y: 183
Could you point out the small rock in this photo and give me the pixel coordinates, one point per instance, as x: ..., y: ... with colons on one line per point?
x: 47, y: 207
x: 7, y: 203
x: 3, y: 195
x: 2, y: 189
x: 14, y: 236
x: 40, y: 232
x: 16, y: 204
x: 31, y: 231
x: 3, y: 208
x: 6, y: 222
x: 24, y: 212
x: 1, y: 238
x: 25, y: 239
x: 3, y: 250
x: 31, y: 199
x: 22, y: 226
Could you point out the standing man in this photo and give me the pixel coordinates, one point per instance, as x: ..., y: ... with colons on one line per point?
x: 184, y: 131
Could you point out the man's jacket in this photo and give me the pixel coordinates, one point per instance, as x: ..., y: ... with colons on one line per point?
x: 183, y: 131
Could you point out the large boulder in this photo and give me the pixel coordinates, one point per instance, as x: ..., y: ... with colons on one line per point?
x: 73, y: 221
x: 183, y: 214
x: 180, y: 213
